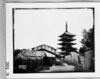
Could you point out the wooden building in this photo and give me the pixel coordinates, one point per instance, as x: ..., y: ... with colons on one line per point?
x: 49, y: 53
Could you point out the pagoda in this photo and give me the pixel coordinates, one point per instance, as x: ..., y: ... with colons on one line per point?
x: 66, y: 43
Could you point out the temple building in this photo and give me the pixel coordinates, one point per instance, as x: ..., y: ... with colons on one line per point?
x: 66, y: 42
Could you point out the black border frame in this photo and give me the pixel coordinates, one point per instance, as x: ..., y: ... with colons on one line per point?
x: 13, y: 34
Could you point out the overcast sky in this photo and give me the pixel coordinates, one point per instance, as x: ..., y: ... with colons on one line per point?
x: 43, y: 26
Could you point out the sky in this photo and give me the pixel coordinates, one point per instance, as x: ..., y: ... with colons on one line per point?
x: 43, y: 26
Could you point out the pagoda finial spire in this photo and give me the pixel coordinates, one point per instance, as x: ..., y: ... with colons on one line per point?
x: 66, y: 27
x: 66, y: 44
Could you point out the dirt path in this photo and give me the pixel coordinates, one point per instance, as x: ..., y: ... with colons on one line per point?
x: 60, y: 68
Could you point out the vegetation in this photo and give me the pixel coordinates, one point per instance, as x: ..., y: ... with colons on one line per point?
x: 88, y: 45
x: 88, y: 40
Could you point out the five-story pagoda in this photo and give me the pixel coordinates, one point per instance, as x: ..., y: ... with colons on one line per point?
x: 66, y: 43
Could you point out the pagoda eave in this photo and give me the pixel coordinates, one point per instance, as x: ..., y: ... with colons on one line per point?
x: 67, y: 34
x: 66, y: 43
x: 66, y: 39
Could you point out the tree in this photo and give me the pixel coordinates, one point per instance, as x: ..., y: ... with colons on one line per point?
x: 88, y: 47
x: 88, y: 40
x: 16, y: 52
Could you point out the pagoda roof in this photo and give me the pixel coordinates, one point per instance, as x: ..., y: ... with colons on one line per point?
x: 64, y: 53
x: 66, y: 39
x: 66, y: 49
x: 66, y: 43
x: 68, y: 34
x: 62, y: 48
